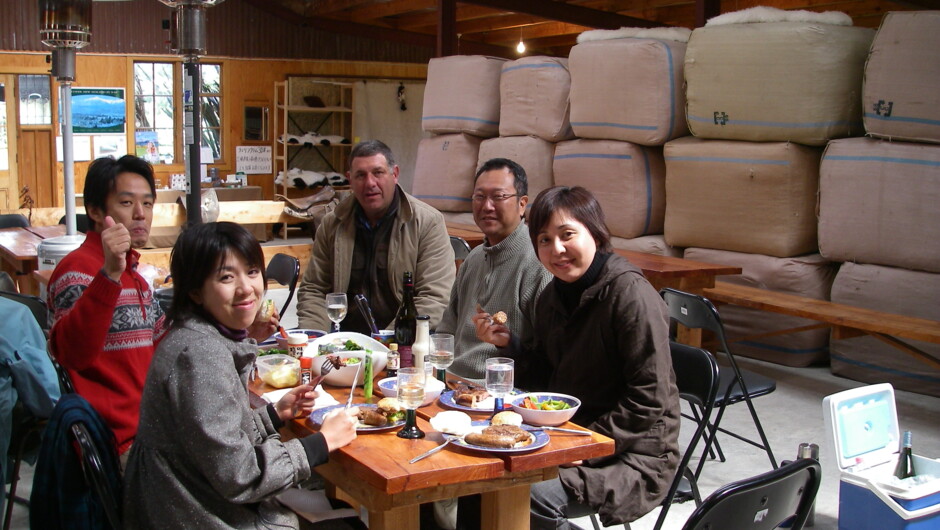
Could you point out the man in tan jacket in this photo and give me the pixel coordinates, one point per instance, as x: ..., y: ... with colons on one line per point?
x: 366, y: 244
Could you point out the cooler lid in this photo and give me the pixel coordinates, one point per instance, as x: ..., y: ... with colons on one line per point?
x: 862, y: 424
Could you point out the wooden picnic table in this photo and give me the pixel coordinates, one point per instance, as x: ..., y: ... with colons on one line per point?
x: 19, y: 249
x: 374, y: 470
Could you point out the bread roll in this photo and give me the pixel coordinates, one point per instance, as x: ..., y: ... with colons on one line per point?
x: 507, y: 417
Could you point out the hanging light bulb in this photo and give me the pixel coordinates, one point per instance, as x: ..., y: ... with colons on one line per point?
x: 520, y: 47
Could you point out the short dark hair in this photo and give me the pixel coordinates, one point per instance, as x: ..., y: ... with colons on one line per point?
x: 519, y: 181
x: 198, y: 253
x: 102, y: 176
x: 577, y: 202
x: 371, y: 148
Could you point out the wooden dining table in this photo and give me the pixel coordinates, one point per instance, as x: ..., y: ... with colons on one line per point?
x: 373, y: 470
x: 19, y: 250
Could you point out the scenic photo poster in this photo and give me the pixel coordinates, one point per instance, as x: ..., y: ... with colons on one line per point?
x: 98, y: 110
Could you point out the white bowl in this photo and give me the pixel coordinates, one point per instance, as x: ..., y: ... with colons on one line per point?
x: 344, y: 376
x: 545, y: 417
x: 432, y: 389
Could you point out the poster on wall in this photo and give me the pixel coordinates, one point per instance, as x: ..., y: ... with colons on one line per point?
x: 253, y: 159
x: 81, y: 149
x: 114, y: 145
x: 147, y: 146
x: 98, y: 110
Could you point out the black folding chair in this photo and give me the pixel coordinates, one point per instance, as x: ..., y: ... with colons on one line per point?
x: 285, y: 270
x: 460, y: 246
x: 82, y: 222
x: 697, y: 380
x: 96, y: 475
x: 736, y: 385
x: 783, y: 496
x: 13, y: 220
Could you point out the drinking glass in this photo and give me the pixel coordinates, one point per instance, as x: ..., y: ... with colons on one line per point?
x: 410, y: 395
x: 336, y: 308
x: 442, y: 354
x: 499, y: 379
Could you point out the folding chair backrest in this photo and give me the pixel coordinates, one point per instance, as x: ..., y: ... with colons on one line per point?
x: 285, y: 270
x: 692, y: 311
x: 460, y: 246
x: 696, y: 374
x: 96, y: 475
x: 762, y: 502
x: 13, y: 220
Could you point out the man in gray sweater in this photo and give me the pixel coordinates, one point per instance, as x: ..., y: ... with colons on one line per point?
x: 503, y: 274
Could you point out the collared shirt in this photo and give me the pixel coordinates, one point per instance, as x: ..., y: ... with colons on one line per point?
x: 369, y: 271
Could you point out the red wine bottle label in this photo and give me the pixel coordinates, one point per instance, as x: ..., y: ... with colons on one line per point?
x: 406, y: 359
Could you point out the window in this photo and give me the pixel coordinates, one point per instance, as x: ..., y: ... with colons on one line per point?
x: 155, y: 120
x: 35, y: 100
x: 210, y: 97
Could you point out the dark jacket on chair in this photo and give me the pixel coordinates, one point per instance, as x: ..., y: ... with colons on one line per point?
x: 61, y: 497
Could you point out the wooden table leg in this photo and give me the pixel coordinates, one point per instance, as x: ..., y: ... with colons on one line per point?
x: 397, y: 518
x: 506, y: 509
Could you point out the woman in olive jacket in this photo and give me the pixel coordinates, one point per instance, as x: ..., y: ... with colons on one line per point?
x: 601, y: 335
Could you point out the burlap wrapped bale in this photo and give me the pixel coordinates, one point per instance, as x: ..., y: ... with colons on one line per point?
x: 776, y: 81
x: 444, y: 171
x: 653, y: 244
x: 893, y: 290
x: 462, y: 95
x: 533, y: 98
x: 901, y: 91
x: 810, y: 276
x: 532, y: 153
x: 756, y: 198
x: 628, y: 89
x: 626, y: 178
x: 878, y: 203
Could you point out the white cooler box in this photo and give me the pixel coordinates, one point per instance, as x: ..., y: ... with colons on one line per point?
x: 862, y: 425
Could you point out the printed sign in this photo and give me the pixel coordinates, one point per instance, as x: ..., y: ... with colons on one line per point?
x: 253, y: 159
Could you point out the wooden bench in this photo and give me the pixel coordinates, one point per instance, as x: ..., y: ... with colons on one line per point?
x: 846, y: 321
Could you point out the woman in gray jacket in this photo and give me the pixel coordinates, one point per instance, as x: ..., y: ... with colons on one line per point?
x: 601, y: 334
x: 203, y: 458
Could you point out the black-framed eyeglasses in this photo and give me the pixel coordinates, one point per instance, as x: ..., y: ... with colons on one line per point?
x: 499, y: 197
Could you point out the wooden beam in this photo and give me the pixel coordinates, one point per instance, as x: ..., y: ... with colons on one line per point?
x: 446, y: 28
x: 570, y: 13
x: 706, y: 9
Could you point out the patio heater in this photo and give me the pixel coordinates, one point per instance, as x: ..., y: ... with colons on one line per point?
x: 65, y: 26
x: 188, y: 38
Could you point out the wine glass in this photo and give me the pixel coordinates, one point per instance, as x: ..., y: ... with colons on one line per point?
x: 336, y: 308
x: 499, y: 379
x: 442, y: 353
x: 410, y: 395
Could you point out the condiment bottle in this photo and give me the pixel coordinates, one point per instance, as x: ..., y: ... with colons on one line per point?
x: 406, y: 322
x: 306, y: 370
x: 391, y: 366
x: 422, y: 345
x: 905, y: 467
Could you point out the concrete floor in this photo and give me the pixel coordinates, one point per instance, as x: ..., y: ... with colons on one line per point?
x: 791, y: 415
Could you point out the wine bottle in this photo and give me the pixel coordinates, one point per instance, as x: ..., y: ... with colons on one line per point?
x: 406, y: 323
x: 905, y: 467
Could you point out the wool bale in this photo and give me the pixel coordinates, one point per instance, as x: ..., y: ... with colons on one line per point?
x: 652, y: 244
x: 901, y: 91
x: 892, y: 290
x: 532, y: 153
x: 756, y: 198
x: 627, y: 179
x: 878, y: 203
x: 444, y: 171
x: 810, y: 276
x: 628, y: 89
x: 462, y: 95
x: 533, y: 98
x: 776, y: 81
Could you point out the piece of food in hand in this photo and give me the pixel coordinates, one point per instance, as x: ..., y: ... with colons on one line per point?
x: 391, y: 408
x: 507, y: 417
x: 500, y: 318
x: 500, y: 436
x: 267, y: 309
x: 372, y: 417
x: 469, y: 396
x: 452, y: 422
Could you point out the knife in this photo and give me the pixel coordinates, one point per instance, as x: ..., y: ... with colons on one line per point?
x: 355, y: 383
x: 431, y: 452
x: 559, y: 429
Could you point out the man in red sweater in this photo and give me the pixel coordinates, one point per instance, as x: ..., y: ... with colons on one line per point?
x: 105, y: 318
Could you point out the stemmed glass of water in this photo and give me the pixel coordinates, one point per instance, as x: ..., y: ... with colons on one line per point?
x: 499, y: 379
x: 442, y: 353
x: 336, y: 308
x: 410, y: 395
